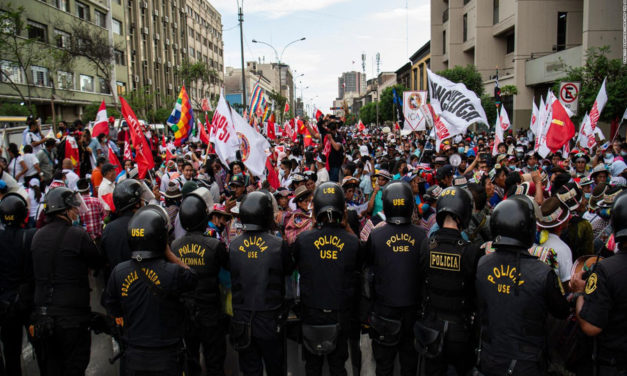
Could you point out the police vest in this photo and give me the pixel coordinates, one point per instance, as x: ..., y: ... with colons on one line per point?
x: 200, y: 253
x: 448, y: 278
x: 512, y: 317
x: 256, y: 271
x: 327, y: 259
x: 396, y: 252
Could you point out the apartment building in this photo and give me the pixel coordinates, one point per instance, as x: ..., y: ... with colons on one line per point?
x: 530, y: 42
x: 420, y: 62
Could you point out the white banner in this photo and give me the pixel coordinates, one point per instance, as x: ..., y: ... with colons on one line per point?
x: 222, y: 133
x: 253, y: 147
x: 598, y: 105
x: 456, y: 106
x: 412, y: 100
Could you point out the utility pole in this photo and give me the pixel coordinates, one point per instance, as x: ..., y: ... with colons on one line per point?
x: 376, y: 85
x: 241, y: 39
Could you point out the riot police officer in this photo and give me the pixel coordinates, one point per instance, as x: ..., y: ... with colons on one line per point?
x: 447, y: 272
x: 515, y: 292
x: 205, y: 255
x: 327, y: 258
x: 259, y: 262
x: 62, y: 253
x: 142, y: 293
x: 393, y: 254
x: 602, y: 301
x: 16, y: 278
x: 127, y: 198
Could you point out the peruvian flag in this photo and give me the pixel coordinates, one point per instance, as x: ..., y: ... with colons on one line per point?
x: 71, y: 152
x: 560, y: 129
x: 273, y: 178
x: 598, y: 105
x: 327, y: 149
x: 287, y: 107
x: 360, y: 126
x: 204, y: 135
x: 101, y: 124
x: 143, y: 154
x: 287, y: 130
x: 113, y: 159
x: 270, y: 131
x: 128, y: 154
x: 302, y: 129
x: 502, y: 124
x: 318, y: 114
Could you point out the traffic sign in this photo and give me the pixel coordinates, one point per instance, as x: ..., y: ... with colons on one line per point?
x: 569, y: 95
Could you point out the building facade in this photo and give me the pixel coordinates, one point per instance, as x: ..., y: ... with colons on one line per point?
x: 420, y: 62
x: 351, y: 82
x: 529, y: 42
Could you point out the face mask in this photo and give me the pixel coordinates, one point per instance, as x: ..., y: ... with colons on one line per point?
x: 623, y: 154
x: 281, y: 173
x: 587, y: 195
x: 609, y: 155
x: 309, y: 207
x: 398, y: 158
x: 76, y: 222
x: 460, y: 149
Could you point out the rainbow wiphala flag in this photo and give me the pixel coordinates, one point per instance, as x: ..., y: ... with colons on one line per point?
x: 181, y: 120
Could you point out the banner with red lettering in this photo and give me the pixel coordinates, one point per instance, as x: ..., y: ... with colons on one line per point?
x: 143, y: 155
x: 223, y: 133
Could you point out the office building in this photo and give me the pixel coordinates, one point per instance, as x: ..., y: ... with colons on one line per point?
x: 351, y: 82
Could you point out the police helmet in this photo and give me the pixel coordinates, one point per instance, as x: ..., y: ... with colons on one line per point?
x: 513, y: 222
x: 126, y: 195
x: 60, y: 199
x: 619, y: 217
x: 148, y: 232
x: 256, y: 212
x: 457, y: 202
x: 13, y: 210
x: 195, y: 209
x: 328, y: 200
x: 398, y: 203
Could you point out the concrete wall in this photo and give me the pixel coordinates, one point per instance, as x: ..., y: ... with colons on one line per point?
x: 603, y: 25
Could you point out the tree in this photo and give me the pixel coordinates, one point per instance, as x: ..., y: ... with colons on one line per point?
x: 279, y: 103
x: 596, y: 68
x: 351, y: 119
x: 15, y: 109
x: 91, y: 110
x: 489, y: 106
x: 386, y: 105
x: 467, y: 75
x: 197, y: 73
x: 368, y: 113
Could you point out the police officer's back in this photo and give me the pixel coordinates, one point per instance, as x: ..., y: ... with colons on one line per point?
x: 144, y: 292
x: 327, y: 258
x: 602, y: 309
x: 62, y: 254
x: 515, y: 292
x: 205, y: 255
x: 16, y: 279
x: 392, y: 253
x: 259, y: 262
x: 447, y: 270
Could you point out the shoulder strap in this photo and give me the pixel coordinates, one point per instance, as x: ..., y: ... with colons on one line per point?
x: 156, y: 289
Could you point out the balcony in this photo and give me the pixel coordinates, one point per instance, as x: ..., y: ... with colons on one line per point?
x: 445, y: 16
x: 550, y: 67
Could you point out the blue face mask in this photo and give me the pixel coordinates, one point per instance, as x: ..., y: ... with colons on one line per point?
x: 461, y: 149
x: 609, y: 155
x: 587, y: 195
x: 512, y: 167
x: 76, y: 222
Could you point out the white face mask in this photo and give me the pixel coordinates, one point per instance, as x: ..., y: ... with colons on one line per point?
x: 310, y: 207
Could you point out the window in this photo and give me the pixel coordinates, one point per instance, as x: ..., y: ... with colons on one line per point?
x: 495, y: 12
x: 120, y: 87
x: 104, y: 88
x: 422, y: 76
x: 65, y: 80
x: 443, y: 42
x: 62, y: 38
x: 63, y: 5
x: 510, y: 43
x: 466, y: 2
x: 87, y: 83
x: 465, y: 28
x: 36, y: 31
x: 82, y: 11
x: 116, y: 26
x: 40, y: 76
x: 192, y: 53
x: 119, y: 57
x: 11, y: 72
x: 561, y: 31
x: 101, y: 18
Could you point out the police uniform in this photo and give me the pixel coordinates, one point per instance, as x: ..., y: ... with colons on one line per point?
x: 327, y: 259
x: 62, y: 255
x: 205, y: 255
x: 393, y: 255
x: 605, y: 306
x: 115, y: 242
x: 447, y: 269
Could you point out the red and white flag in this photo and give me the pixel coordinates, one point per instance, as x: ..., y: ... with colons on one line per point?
x: 533, y: 124
x: 143, y: 154
x: 560, y: 129
x: 360, y: 126
x: 287, y: 107
x: 318, y: 114
x: 204, y: 134
x: 270, y: 130
x: 206, y: 106
x: 223, y: 135
x: 101, y: 125
x: 598, y: 105
x: 113, y: 159
x: 71, y: 152
x: 546, y: 116
x: 502, y: 124
x: 273, y: 177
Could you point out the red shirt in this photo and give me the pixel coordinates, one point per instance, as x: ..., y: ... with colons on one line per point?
x: 94, y: 216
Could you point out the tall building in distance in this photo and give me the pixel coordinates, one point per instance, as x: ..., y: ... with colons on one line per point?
x: 530, y: 42
x: 351, y: 82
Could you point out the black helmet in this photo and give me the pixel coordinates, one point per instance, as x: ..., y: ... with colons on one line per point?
x: 148, y: 232
x: 619, y: 217
x: 256, y: 211
x: 457, y: 202
x: 328, y: 200
x: 126, y: 194
x: 196, y: 209
x: 513, y: 222
x: 398, y: 203
x: 59, y: 199
x: 13, y: 210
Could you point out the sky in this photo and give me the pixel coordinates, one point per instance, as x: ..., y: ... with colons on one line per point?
x: 337, y: 33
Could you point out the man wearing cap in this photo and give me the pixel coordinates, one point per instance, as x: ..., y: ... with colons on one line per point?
x: 554, y: 220
x: 170, y: 174
x: 173, y: 197
x: 604, y: 211
x: 46, y: 157
x: 375, y: 204
x: 93, y: 217
x: 107, y: 185
x: 578, y: 234
x: 581, y: 162
x: 531, y: 162
x: 445, y: 175
x: 238, y: 191
x: 218, y: 220
x: 321, y: 170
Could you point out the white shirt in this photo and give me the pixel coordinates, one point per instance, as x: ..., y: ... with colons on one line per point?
x: 564, y: 256
x: 323, y: 176
x: 15, y: 168
x: 71, y: 178
x: 105, y: 188
x: 31, y: 160
x: 34, y: 204
x: 33, y: 137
